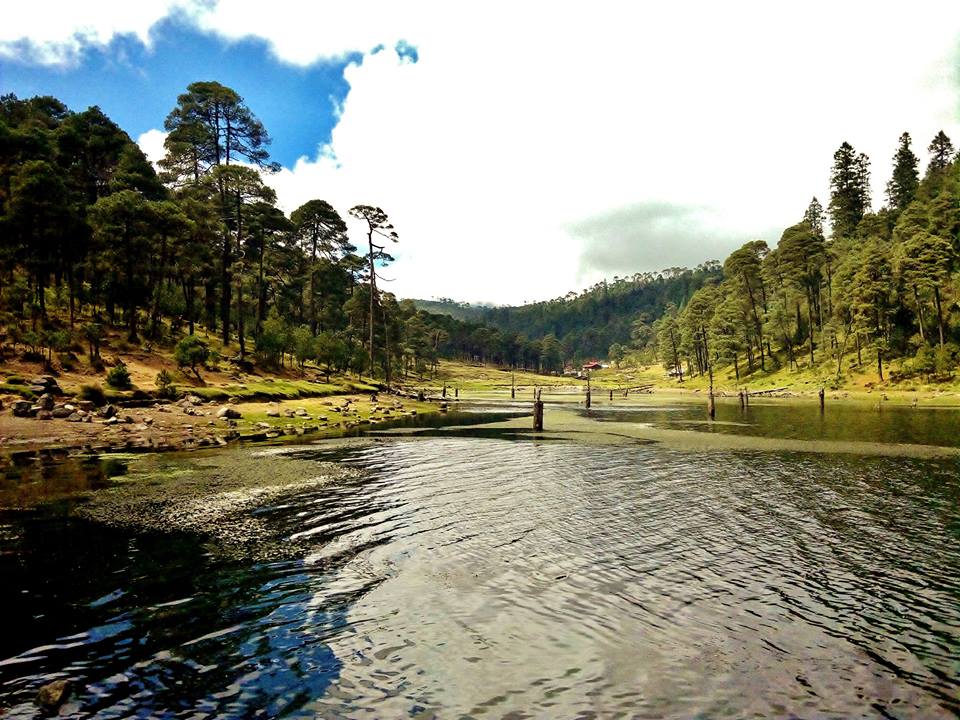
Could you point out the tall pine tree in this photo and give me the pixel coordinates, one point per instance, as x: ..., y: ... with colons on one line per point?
x: 941, y: 152
x: 849, y: 190
x: 903, y: 184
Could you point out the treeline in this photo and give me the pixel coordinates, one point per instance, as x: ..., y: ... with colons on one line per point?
x: 93, y: 238
x: 882, y: 286
x: 584, y: 325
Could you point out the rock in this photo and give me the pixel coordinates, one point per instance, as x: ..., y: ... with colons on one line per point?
x: 86, y: 405
x: 52, y: 695
x: 45, y: 401
x: 141, y: 427
x: 229, y: 413
x: 234, y: 400
x: 264, y: 425
x: 88, y: 419
x: 147, y: 420
x: 273, y: 411
x: 22, y: 408
x: 74, y: 417
x: 128, y: 419
x: 44, y: 415
x: 61, y: 412
x: 108, y: 411
x: 322, y: 418
x: 287, y: 412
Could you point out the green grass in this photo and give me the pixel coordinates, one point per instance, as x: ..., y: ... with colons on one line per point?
x: 277, y: 390
x: 17, y: 389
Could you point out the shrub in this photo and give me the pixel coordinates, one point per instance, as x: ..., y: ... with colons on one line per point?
x: 93, y: 393
x: 119, y: 377
x: 190, y: 352
x: 164, y: 383
x: 943, y: 360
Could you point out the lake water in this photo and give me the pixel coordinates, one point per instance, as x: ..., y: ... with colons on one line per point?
x: 478, y: 576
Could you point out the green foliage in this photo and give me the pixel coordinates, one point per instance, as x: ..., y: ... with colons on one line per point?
x: 191, y: 352
x: 118, y: 377
x: 93, y: 393
x: 164, y: 383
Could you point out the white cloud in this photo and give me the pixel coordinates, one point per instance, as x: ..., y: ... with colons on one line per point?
x: 54, y: 33
x: 521, y: 120
x: 151, y: 142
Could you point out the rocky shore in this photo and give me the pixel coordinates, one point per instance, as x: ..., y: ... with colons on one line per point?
x: 55, y: 425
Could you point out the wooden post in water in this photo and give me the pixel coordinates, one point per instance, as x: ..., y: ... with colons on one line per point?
x: 741, y: 399
x: 537, y: 412
x: 588, y: 389
x: 456, y: 393
x: 820, y: 395
x: 746, y: 396
x: 443, y: 393
x: 513, y: 385
x: 611, y: 396
x: 711, y: 404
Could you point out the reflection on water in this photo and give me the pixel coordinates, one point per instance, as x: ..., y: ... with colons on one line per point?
x: 482, y: 577
x: 842, y: 421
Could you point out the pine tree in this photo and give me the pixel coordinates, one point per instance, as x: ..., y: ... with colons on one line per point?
x: 849, y: 190
x: 902, y: 187
x: 813, y: 217
x: 941, y: 152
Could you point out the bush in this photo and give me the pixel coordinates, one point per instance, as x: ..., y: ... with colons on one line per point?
x: 164, y: 383
x: 119, y: 377
x: 943, y: 360
x: 93, y: 393
x: 190, y: 352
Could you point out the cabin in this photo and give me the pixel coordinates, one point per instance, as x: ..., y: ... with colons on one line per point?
x: 592, y: 365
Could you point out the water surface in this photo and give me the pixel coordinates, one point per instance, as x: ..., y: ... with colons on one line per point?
x: 485, y: 577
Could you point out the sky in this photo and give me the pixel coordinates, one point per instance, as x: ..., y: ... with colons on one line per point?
x: 525, y: 150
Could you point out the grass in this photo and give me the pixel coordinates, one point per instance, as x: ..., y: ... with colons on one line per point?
x: 276, y: 389
x: 359, y: 411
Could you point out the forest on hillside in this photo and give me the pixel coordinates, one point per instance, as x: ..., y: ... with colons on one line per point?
x: 882, y: 286
x: 198, y: 257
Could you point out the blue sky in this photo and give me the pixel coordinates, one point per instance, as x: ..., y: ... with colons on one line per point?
x: 524, y: 150
x: 137, y: 86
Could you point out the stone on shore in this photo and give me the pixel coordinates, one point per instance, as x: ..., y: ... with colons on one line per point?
x: 52, y: 695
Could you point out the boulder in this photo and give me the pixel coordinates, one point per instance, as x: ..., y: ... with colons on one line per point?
x: 273, y: 411
x: 22, y: 408
x: 229, y: 413
x: 61, y: 412
x: 75, y: 417
x: 108, y: 411
x: 52, y: 695
x: 44, y: 415
x: 45, y: 401
x: 264, y: 425
x: 86, y: 405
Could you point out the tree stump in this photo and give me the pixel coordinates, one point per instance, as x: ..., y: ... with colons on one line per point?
x: 537, y: 412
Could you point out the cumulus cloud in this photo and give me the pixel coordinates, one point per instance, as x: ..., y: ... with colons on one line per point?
x: 523, y: 130
x: 151, y: 142
x: 55, y: 33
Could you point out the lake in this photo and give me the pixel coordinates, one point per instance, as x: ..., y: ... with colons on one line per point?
x: 482, y: 572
